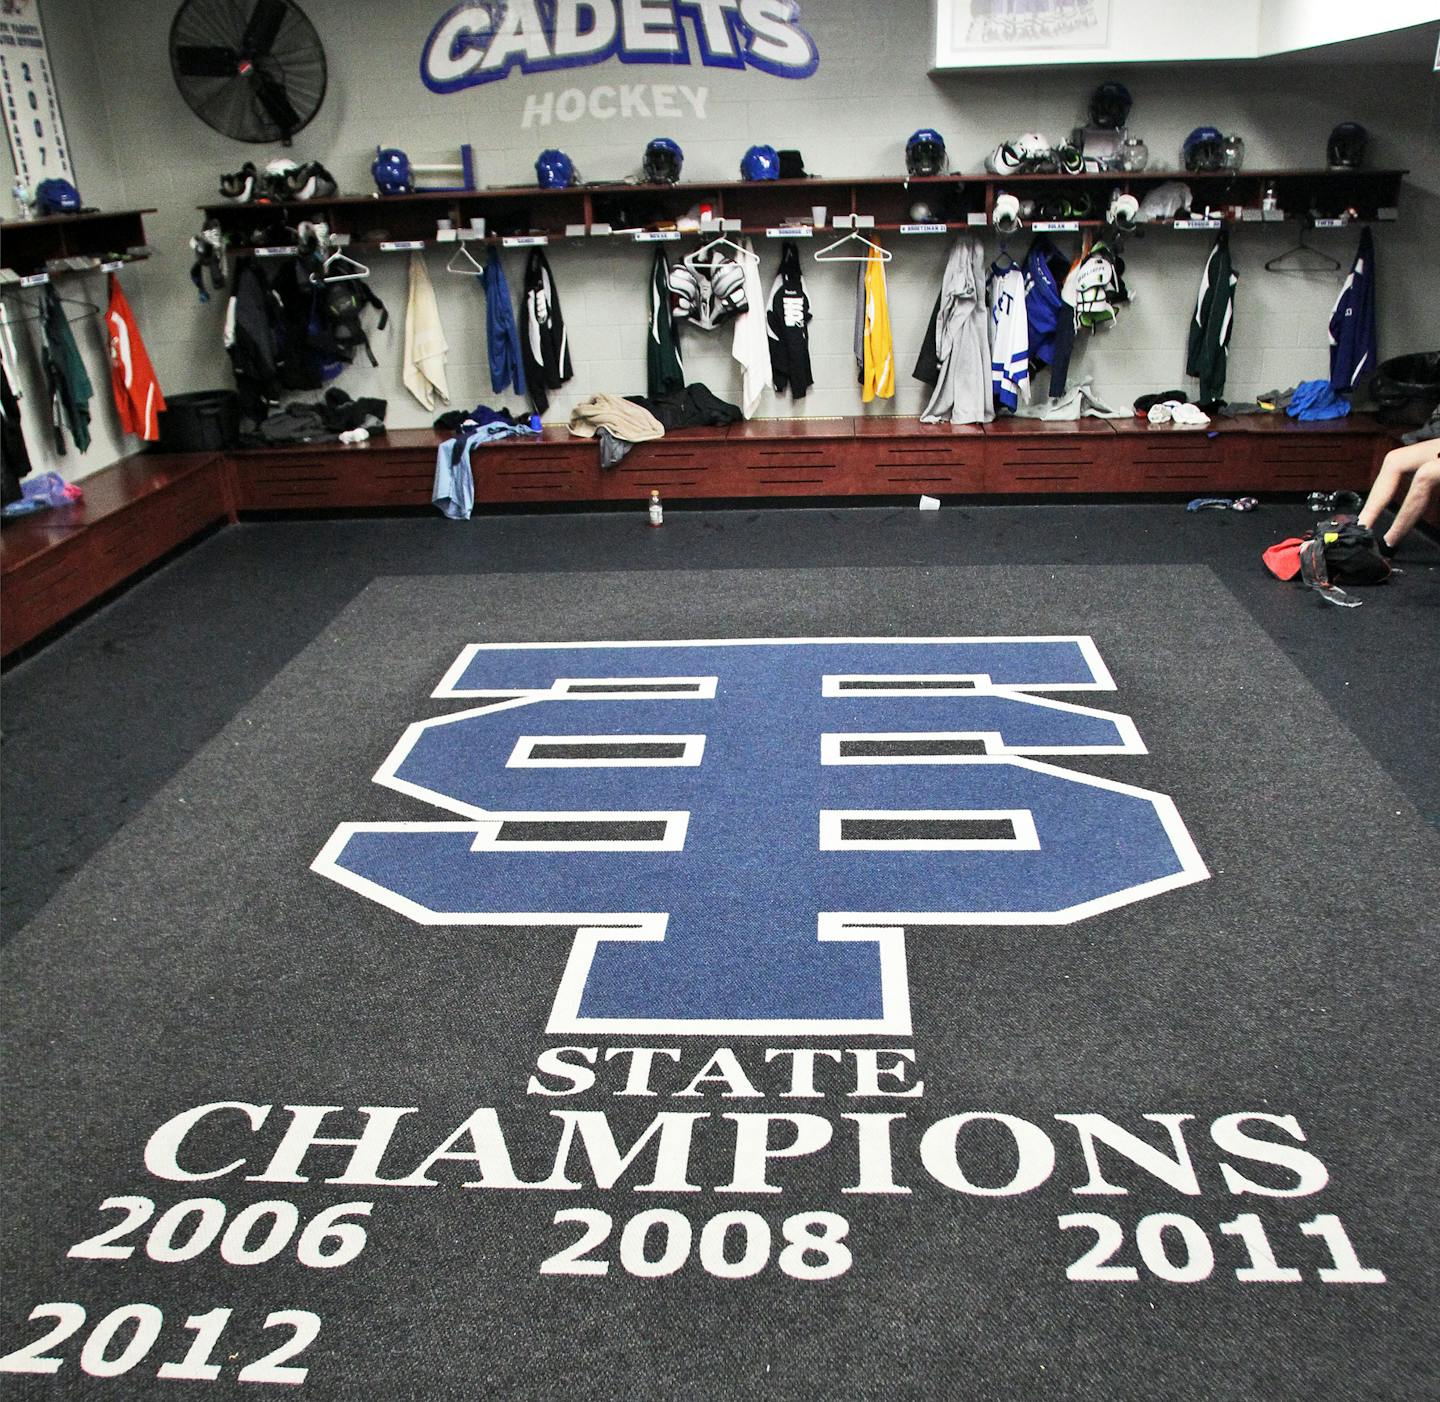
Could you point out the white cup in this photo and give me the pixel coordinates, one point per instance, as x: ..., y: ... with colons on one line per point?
x: 817, y: 215
x: 444, y: 224
x: 479, y: 226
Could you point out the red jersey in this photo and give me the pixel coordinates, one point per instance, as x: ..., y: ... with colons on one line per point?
x: 137, y: 391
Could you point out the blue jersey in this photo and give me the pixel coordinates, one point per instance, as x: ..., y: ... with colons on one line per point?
x: 1353, y: 354
x: 1043, y: 305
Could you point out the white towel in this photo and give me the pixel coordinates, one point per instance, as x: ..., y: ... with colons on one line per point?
x: 751, y: 346
x: 425, y: 345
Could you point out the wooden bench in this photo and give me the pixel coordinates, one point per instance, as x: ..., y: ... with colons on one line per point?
x: 834, y: 457
x: 54, y: 564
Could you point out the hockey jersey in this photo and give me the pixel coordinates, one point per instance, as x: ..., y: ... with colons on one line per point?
x: 138, y: 399
x: 1208, y: 351
x: 1353, y: 352
x: 1045, y: 270
x: 878, y: 380
x: 788, y: 317
x: 664, y: 370
x: 542, y: 332
x: 1009, y: 338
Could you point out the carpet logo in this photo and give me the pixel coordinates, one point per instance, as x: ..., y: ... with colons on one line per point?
x: 741, y: 833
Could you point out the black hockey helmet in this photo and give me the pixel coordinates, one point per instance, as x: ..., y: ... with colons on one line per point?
x: 925, y: 152
x: 1346, y: 148
x: 663, y: 160
x: 1110, y: 106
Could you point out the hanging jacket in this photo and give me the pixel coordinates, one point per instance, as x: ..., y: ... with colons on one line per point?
x: 1353, y: 352
x: 1208, y: 353
x: 425, y: 346
x: 787, y: 318
x: 751, y: 344
x: 138, y: 399
x: 69, y: 385
x: 503, y: 339
x: 14, y: 455
x: 251, y: 317
x: 879, y: 381
x: 542, y: 327
x: 962, y: 392
x: 664, y: 370
x: 1009, y: 338
x: 1045, y: 270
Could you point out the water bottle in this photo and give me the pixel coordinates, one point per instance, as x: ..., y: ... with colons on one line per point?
x: 657, y: 512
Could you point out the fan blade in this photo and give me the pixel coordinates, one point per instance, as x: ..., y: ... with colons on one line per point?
x: 208, y: 61
x: 265, y: 21
x: 276, y: 104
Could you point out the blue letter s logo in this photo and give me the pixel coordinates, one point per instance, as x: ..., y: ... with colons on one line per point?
x: 740, y: 833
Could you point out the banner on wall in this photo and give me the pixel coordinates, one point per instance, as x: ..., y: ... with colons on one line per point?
x: 32, y: 102
x: 484, y: 41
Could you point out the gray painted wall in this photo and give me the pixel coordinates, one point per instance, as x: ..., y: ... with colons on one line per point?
x: 137, y: 144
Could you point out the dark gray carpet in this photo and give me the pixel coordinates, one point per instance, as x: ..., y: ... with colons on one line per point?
x: 195, y: 959
x: 97, y: 720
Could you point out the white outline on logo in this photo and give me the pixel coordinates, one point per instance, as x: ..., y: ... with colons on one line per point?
x: 591, y: 928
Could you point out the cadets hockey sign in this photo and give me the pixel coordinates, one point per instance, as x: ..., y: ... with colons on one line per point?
x: 739, y: 834
x: 483, y: 42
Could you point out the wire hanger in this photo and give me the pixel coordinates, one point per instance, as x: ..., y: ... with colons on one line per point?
x: 1327, y: 264
x: 723, y: 240
x: 462, y: 253
x: 35, y: 312
x: 853, y: 236
x: 1005, y: 254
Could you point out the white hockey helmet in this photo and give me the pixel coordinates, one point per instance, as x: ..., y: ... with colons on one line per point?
x: 1005, y: 159
x: 1006, y: 214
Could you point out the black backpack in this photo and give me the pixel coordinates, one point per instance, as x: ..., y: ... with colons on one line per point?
x: 1352, y: 554
x: 342, y: 303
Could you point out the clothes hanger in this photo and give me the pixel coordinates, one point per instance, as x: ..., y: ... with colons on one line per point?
x: 855, y: 236
x: 747, y: 254
x: 352, y: 271
x: 1327, y: 264
x: 34, y: 312
x: 1004, y: 253
x: 462, y: 251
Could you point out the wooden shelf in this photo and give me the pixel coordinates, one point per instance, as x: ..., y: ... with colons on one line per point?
x: 108, y: 235
x: 761, y: 205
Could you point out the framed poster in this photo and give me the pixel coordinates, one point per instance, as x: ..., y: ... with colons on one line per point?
x: 32, y: 102
x: 995, y: 25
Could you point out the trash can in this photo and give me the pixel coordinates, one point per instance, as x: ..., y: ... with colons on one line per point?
x: 1407, y: 388
x: 203, y: 421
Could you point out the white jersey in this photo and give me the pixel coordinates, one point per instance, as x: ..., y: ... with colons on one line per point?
x: 1009, y: 339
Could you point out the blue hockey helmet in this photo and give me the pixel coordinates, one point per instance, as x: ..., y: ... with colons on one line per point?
x: 57, y: 197
x: 1204, y: 149
x: 925, y: 152
x: 391, y: 169
x: 760, y: 163
x: 554, y: 170
x: 663, y: 160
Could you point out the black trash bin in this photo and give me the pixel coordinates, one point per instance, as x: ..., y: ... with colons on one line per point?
x: 203, y: 421
x: 1407, y: 388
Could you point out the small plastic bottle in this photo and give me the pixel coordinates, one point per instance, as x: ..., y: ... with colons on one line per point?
x: 657, y: 512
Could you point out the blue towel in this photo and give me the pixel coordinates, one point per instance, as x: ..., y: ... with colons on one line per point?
x: 503, y: 334
x: 1314, y: 399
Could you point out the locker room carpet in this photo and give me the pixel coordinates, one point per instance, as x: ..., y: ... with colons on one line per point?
x: 194, y: 958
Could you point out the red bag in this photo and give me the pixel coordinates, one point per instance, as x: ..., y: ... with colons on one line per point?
x: 1283, y: 560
